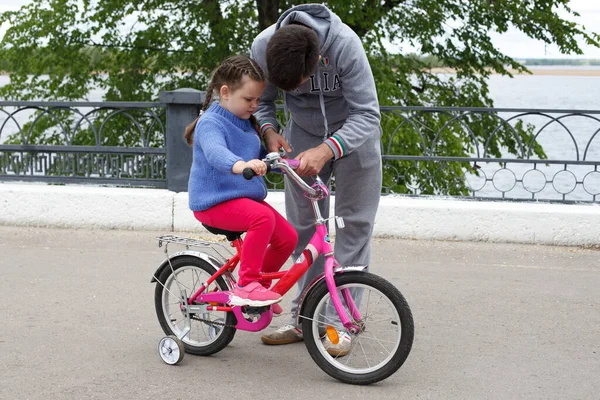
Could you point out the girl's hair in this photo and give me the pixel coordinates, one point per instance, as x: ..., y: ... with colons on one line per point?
x: 230, y: 73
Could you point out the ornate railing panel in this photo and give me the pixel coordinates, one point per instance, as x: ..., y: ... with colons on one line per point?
x: 118, y: 143
x: 555, y: 153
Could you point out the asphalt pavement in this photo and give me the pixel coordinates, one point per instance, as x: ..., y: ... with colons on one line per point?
x: 492, y: 321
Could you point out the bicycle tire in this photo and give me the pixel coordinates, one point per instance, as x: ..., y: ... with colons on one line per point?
x: 192, y: 345
x: 313, y: 317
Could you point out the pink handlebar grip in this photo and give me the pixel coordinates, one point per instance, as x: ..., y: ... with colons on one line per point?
x: 293, y: 163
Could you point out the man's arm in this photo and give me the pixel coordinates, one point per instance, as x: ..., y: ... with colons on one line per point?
x: 266, y: 113
x: 360, y: 93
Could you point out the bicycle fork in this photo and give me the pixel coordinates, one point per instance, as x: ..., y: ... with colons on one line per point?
x: 337, y: 302
x: 320, y: 244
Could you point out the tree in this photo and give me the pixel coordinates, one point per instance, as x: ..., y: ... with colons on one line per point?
x: 132, y: 50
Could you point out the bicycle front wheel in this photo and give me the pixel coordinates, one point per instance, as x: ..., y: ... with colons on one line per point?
x: 385, y: 324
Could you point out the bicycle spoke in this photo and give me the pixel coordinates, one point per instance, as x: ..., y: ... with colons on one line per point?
x: 201, y: 327
x: 182, y: 320
x: 179, y: 281
x: 323, y: 323
x: 379, y: 320
x: 197, y: 280
x: 375, y: 339
x: 365, y: 354
x: 366, y: 313
x: 324, y: 320
x: 171, y: 316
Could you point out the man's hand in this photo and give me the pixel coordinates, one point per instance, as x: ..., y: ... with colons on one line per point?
x: 312, y: 160
x: 274, y: 141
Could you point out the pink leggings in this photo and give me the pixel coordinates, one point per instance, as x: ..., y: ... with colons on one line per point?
x: 269, y: 241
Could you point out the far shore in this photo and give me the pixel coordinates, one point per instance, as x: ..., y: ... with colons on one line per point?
x: 535, y: 70
x: 556, y: 71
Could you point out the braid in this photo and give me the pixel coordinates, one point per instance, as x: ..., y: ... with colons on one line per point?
x: 230, y: 73
x: 189, y: 130
x: 258, y: 72
x: 209, y: 94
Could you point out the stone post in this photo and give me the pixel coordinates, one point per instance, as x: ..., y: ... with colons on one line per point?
x: 183, y: 106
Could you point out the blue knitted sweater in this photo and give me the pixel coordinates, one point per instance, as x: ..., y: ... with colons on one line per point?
x: 220, y: 140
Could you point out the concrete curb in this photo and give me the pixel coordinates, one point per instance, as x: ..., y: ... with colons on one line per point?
x: 93, y: 207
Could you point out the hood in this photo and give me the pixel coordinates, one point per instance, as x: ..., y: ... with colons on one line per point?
x: 326, y: 24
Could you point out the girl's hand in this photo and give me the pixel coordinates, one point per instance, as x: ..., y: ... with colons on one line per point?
x: 258, y: 166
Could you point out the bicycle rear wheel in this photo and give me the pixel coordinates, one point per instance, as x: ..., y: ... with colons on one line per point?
x: 385, y: 336
x: 208, y: 334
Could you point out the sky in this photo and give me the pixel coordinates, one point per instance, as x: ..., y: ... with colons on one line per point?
x: 512, y: 43
x: 517, y: 45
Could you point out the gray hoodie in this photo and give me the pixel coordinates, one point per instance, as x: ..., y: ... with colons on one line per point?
x: 339, y: 101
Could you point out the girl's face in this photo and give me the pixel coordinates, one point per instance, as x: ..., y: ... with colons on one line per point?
x: 243, y: 101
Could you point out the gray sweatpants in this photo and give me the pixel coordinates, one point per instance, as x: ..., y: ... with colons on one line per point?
x: 357, y: 192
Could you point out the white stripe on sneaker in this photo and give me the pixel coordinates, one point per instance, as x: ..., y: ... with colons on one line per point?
x: 238, y: 301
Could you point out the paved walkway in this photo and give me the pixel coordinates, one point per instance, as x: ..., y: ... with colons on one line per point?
x: 493, y: 321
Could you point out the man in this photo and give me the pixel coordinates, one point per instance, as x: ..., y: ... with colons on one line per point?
x: 334, y: 128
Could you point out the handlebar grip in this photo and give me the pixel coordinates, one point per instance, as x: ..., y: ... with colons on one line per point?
x: 293, y: 163
x: 249, y: 173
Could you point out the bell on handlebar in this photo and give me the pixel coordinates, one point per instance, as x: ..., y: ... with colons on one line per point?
x: 272, y: 156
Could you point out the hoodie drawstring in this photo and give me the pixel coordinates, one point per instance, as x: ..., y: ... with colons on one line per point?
x: 322, y: 101
x: 286, y: 114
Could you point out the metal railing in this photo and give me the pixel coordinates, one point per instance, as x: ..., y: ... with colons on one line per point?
x: 80, y: 151
x: 555, y: 154
x: 550, y: 155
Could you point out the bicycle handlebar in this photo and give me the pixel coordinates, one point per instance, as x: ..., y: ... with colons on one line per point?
x: 274, y: 160
x: 288, y: 166
x: 249, y: 173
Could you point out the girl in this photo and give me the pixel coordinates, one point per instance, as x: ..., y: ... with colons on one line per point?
x: 225, y: 141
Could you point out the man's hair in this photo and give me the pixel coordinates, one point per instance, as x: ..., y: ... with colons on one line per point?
x: 292, y: 55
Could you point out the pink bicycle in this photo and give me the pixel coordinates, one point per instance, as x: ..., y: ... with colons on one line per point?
x: 192, y: 294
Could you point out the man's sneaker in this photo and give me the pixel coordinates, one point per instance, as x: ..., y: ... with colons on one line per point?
x: 253, y: 294
x: 341, y: 348
x: 284, y: 335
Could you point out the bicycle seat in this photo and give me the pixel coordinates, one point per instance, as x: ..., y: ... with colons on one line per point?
x: 231, y: 235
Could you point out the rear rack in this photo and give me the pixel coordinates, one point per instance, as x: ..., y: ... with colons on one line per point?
x: 197, y: 243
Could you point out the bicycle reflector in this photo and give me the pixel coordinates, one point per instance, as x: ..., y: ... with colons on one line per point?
x: 332, y: 334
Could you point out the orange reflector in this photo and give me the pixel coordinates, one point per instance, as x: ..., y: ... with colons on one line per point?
x: 332, y: 334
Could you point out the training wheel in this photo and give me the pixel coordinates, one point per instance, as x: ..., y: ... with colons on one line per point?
x: 171, y: 350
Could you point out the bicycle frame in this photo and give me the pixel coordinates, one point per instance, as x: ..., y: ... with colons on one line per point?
x: 318, y: 244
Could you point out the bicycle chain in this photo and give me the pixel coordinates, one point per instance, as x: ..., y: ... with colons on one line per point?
x: 207, y: 321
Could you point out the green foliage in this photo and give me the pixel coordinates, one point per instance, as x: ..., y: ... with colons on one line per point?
x: 132, y: 50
